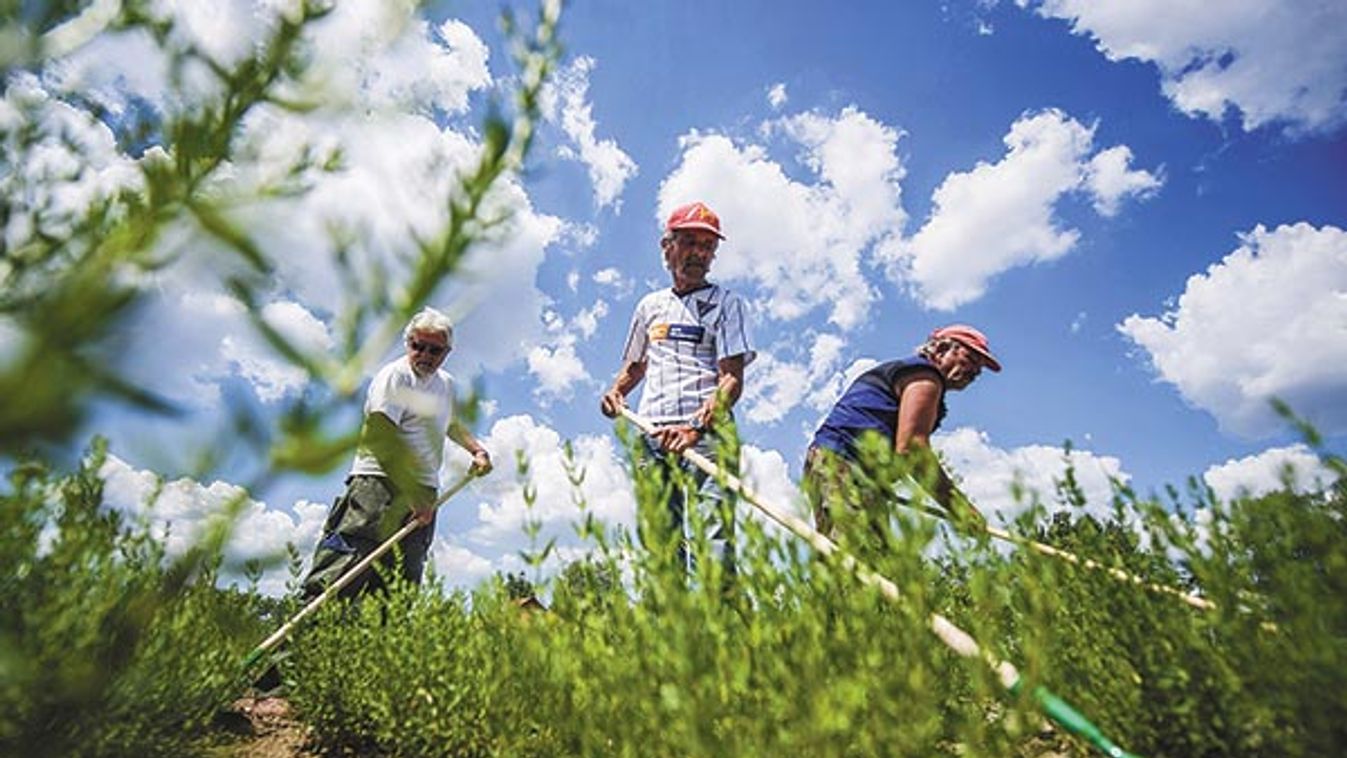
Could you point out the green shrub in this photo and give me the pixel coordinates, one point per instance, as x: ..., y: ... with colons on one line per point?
x: 106, y: 648
x: 799, y: 659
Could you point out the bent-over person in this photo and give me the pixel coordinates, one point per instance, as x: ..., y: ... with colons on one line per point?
x: 897, y: 405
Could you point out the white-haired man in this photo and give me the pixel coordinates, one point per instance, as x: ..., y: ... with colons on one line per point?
x: 409, y: 410
x: 690, y: 344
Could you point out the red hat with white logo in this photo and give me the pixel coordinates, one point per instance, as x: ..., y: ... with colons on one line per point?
x: 970, y: 338
x: 694, y: 216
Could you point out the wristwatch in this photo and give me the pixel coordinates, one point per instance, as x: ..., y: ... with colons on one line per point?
x: 696, y: 424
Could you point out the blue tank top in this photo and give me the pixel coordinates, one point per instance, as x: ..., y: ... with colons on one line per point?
x: 870, y: 404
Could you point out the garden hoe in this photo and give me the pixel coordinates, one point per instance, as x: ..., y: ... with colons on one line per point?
x: 1054, y: 707
x: 355, y: 571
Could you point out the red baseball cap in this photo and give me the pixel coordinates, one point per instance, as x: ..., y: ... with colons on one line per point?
x: 970, y: 338
x: 694, y: 216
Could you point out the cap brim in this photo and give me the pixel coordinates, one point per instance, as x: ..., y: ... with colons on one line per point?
x: 698, y: 225
x: 992, y: 363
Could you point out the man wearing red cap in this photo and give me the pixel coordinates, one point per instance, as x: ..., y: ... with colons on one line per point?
x: 689, y: 343
x: 897, y: 404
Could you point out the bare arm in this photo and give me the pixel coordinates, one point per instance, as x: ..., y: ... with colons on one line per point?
x: 481, y: 459
x: 615, y: 399
x: 918, y: 409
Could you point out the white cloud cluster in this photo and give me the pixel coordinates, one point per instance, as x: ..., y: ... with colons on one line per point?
x: 1260, y: 474
x: 776, y: 95
x: 988, y: 474
x: 271, y: 377
x: 384, y: 79
x: 558, y: 369
x: 800, y: 243
x: 564, y: 100
x: 1271, y: 60
x: 489, y: 537
x: 776, y: 384
x: 554, y: 361
x: 184, y: 508
x: 767, y: 474
x: 73, y: 164
x: 1268, y: 321
x: 613, y: 278
x: 1000, y: 216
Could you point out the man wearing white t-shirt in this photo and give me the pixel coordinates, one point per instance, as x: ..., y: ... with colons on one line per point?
x: 409, y: 410
x: 689, y: 344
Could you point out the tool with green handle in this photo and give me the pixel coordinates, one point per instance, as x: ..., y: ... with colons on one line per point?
x: 1052, y: 706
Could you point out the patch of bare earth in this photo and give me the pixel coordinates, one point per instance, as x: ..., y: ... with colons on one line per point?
x: 266, y: 728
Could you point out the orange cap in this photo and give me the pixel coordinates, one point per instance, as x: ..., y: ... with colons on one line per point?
x: 970, y: 338
x: 694, y: 216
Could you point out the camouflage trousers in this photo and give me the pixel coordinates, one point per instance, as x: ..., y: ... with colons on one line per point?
x: 366, y: 514
x: 844, y: 498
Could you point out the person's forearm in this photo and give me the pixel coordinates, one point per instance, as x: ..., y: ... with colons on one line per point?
x: 729, y: 385
x: 930, y: 473
x: 728, y: 389
x: 627, y: 379
x: 464, y: 438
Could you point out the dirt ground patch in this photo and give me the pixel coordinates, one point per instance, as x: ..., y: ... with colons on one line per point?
x: 266, y: 728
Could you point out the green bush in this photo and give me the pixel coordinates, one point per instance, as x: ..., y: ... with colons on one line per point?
x: 108, y: 649
x: 799, y: 659
x: 105, y: 647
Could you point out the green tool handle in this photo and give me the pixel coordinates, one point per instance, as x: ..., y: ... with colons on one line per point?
x: 1073, y: 721
x: 955, y: 638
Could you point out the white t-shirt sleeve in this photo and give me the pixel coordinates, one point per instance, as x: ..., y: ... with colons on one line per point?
x: 732, y: 337
x: 633, y: 351
x: 387, y: 394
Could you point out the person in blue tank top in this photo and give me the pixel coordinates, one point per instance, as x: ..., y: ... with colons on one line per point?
x: 899, y: 404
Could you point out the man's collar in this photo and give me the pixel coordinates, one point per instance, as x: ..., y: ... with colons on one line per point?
x: 674, y: 290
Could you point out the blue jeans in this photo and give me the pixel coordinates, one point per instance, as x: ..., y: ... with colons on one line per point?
x: 703, y: 492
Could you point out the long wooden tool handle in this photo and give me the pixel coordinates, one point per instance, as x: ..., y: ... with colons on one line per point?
x: 348, y: 577
x: 955, y: 638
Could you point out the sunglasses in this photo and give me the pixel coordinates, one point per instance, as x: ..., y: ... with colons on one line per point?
x: 434, y: 350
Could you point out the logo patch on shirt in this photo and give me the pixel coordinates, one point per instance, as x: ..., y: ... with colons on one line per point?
x: 704, y: 307
x: 677, y: 332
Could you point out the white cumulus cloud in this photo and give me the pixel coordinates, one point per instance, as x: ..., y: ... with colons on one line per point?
x: 184, y: 508
x: 1000, y: 216
x: 496, y: 526
x: 800, y: 243
x: 1267, y: 321
x: 565, y: 100
x: 782, y: 379
x: 1260, y: 474
x: 272, y: 377
x: 1269, y: 60
x: 377, y: 159
x: 988, y: 474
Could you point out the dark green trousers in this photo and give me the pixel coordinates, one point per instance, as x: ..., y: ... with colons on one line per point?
x: 366, y: 514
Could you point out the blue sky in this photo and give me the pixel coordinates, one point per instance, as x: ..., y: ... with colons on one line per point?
x: 1141, y: 204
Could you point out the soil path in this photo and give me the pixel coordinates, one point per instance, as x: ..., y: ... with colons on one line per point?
x: 267, y: 729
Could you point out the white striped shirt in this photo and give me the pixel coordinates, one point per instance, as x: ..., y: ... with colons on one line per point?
x: 682, y: 340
